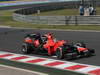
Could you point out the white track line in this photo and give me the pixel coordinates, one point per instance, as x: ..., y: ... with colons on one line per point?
x: 59, y: 29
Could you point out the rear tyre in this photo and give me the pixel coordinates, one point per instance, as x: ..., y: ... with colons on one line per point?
x: 59, y: 53
x: 26, y: 48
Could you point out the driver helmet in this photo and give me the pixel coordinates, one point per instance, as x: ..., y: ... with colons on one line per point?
x: 49, y: 33
x: 78, y: 44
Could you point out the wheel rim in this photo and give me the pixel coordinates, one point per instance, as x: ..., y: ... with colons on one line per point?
x: 24, y: 49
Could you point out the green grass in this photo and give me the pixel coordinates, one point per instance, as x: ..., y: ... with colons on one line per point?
x: 59, y: 12
x: 64, y: 12
x: 6, y: 20
x: 98, y: 11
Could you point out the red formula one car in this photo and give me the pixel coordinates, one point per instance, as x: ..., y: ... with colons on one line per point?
x: 46, y: 44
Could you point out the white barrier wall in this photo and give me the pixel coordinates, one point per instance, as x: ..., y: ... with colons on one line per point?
x: 58, y: 20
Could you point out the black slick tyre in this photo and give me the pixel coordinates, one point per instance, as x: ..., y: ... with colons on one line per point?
x: 59, y: 53
x: 26, y: 48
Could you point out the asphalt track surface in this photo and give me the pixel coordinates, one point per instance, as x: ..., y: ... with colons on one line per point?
x: 11, y: 41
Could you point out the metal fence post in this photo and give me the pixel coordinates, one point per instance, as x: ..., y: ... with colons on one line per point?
x: 76, y: 21
x: 82, y: 2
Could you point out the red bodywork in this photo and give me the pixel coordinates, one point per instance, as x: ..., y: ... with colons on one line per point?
x: 28, y: 40
x: 50, y: 45
x: 81, y: 49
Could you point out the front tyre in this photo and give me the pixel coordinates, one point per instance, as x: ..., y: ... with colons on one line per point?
x: 26, y: 48
x: 91, y: 51
x: 59, y: 53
